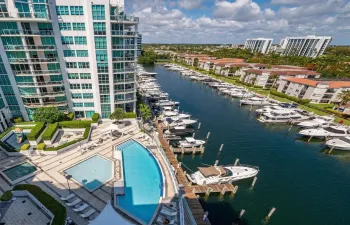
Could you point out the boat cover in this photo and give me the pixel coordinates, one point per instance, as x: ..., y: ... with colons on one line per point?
x: 212, y: 171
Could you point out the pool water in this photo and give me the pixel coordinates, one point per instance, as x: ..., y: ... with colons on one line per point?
x: 12, y: 141
x: 19, y: 171
x: 143, y: 181
x: 92, y: 173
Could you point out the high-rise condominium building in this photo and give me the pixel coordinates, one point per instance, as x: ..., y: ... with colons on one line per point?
x: 74, y: 55
x: 258, y: 45
x: 309, y: 46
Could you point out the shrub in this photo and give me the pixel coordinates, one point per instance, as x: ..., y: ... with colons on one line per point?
x: 7, y: 196
x: 48, y: 201
x: 75, y: 124
x: 95, y: 117
x: 36, y: 131
x: 41, y: 146
x: 86, y: 132
x: 18, y: 120
x: 70, y: 116
x: 48, y: 115
x: 63, y: 145
x: 130, y: 115
x: 25, y: 147
x: 50, y: 131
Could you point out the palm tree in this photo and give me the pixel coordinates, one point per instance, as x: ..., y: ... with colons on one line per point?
x: 145, y: 112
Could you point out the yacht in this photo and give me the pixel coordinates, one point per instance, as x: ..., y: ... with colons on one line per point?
x: 166, y: 103
x: 269, y: 108
x: 176, y: 121
x: 222, y: 174
x: 190, y: 143
x: 179, y: 130
x: 331, y: 131
x: 254, y: 101
x: 342, y: 143
x: 322, y: 121
x: 241, y: 94
x: 279, y: 116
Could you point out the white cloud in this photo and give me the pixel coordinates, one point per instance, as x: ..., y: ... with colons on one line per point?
x: 290, y: 2
x: 190, y: 4
x: 239, y: 10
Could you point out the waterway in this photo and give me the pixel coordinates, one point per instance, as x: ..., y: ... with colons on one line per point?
x: 304, y: 184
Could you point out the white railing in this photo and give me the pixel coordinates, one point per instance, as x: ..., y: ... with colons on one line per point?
x: 28, y: 15
x: 26, y: 32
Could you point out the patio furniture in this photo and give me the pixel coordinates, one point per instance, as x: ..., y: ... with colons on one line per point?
x: 73, y: 203
x: 81, y: 208
x: 71, y: 195
x: 88, y: 213
x: 162, y: 220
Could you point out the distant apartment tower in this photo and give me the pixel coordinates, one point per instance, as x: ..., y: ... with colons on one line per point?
x: 74, y: 55
x: 258, y: 45
x: 139, y: 44
x: 309, y: 46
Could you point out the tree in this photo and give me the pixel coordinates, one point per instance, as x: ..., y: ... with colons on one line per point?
x: 145, y: 112
x: 118, y: 114
x: 48, y: 115
x: 344, y: 96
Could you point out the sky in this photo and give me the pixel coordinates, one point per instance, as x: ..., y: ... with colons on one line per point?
x: 233, y: 21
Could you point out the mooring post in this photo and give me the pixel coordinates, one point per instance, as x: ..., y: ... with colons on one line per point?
x: 207, y: 193
x: 199, y: 126
x: 175, y: 155
x: 254, y: 181
x: 222, y: 145
x: 330, y: 151
x: 205, y: 216
x: 309, y: 139
x: 270, y: 213
x: 251, y: 107
x: 178, y: 108
x: 179, y: 165
x: 185, y: 173
x: 182, y: 150
x: 193, y: 135
x: 223, y: 191
x: 235, y: 189
x: 208, y: 135
x: 236, y: 162
x: 241, y: 214
x: 290, y: 127
x: 216, y: 162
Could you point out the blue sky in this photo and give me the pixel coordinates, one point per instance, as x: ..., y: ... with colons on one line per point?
x: 233, y: 21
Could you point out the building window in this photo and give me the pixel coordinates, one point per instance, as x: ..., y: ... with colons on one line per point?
x: 89, y: 104
x: 103, y: 78
x: 80, y: 40
x: 67, y: 40
x: 71, y: 65
x: 102, y: 67
x: 77, y: 104
x: 78, y: 26
x: 82, y: 53
x: 74, y: 86
x: 62, y: 10
x: 98, y: 12
x: 104, y: 89
x: 69, y: 53
x: 105, y: 99
x: 99, y: 28
x: 86, y: 86
x: 65, y: 26
x: 76, y: 10
x: 101, y: 55
x: 85, y: 76
x: 76, y: 96
x: 73, y: 76
x: 100, y: 43
x: 83, y: 64
x: 88, y: 95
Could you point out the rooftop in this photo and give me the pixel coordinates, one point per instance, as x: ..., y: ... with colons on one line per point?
x: 331, y: 83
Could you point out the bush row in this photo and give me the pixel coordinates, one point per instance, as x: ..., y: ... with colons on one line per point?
x: 70, y: 116
x: 7, y: 196
x: 47, y: 200
x: 75, y: 124
x: 130, y: 115
x: 331, y: 111
x: 50, y: 131
x: 293, y: 99
x: 95, y: 117
x: 85, y: 135
x: 36, y: 131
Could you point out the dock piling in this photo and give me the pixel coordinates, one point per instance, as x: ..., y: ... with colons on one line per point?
x: 208, y: 136
x: 235, y: 190
x: 330, y: 151
x: 270, y: 213
x: 205, y: 216
x: 309, y: 139
x: 222, y: 145
x: 291, y: 126
x: 207, y: 193
x: 251, y: 107
x: 236, y: 162
x: 241, y: 214
x: 216, y: 162
x: 199, y: 126
x: 254, y: 181
x: 193, y: 135
x: 179, y: 165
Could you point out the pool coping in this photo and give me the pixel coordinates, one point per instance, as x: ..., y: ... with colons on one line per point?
x: 13, y: 182
x: 163, y: 186
x: 63, y: 173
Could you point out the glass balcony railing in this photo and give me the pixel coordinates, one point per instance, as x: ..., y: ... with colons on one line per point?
x: 119, y: 59
x: 124, y: 33
x: 29, y: 47
x: 49, y: 103
x: 133, y: 47
x: 126, y: 69
x: 33, y: 60
x: 37, y: 72
x: 125, y: 90
x: 26, y: 32
x: 34, y: 84
x: 43, y: 94
x: 124, y: 100
x: 123, y: 18
x: 27, y: 15
x: 124, y: 80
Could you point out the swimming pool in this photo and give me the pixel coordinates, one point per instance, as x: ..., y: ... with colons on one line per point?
x: 19, y: 171
x: 143, y: 181
x: 92, y: 173
x: 12, y: 141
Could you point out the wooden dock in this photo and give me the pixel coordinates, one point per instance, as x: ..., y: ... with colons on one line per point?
x: 191, y: 191
x: 199, y: 150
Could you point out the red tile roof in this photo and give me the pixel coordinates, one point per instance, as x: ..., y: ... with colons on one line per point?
x: 307, y: 82
x: 331, y: 84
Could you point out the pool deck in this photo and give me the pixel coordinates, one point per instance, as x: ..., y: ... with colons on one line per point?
x: 51, y: 179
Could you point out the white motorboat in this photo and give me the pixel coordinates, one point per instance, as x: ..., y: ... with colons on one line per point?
x: 269, y: 108
x: 279, y: 116
x: 322, y: 121
x: 179, y: 130
x: 190, y: 143
x: 332, y: 131
x: 241, y: 94
x: 222, y: 174
x: 167, y: 103
x: 175, y: 113
x: 342, y: 143
x: 254, y: 101
x: 175, y: 121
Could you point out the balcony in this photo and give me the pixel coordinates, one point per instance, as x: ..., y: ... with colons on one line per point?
x: 40, y: 84
x: 16, y: 32
x: 126, y: 69
x: 53, y: 104
x: 126, y: 100
x: 124, y: 33
x: 124, y: 19
x: 128, y: 47
x: 130, y: 80
x: 24, y: 16
x: 43, y: 94
x: 127, y: 90
x: 32, y: 60
x: 37, y: 73
x: 29, y: 47
x: 123, y: 59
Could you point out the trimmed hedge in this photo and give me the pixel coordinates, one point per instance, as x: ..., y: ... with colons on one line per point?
x: 130, y: 115
x: 50, y: 131
x: 70, y: 116
x: 36, y: 131
x: 6, y: 131
x: 26, y: 123
x: 75, y: 124
x: 7, y: 196
x: 294, y: 99
x: 41, y: 146
x: 95, y: 117
x: 56, y: 208
x: 25, y: 147
x: 85, y: 135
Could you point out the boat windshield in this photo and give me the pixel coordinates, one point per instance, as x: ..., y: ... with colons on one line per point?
x: 346, y: 140
x: 228, y: 172
x: 333, y: 130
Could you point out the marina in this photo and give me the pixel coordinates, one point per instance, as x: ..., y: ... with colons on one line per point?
x: 293, y: 173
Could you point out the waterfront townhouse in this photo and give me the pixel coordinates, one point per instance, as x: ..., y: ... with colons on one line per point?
x: 74, y: 55
x: 229, y: 69
x: 318, y: 91
x: 258, y: 45
x: 209, y: 64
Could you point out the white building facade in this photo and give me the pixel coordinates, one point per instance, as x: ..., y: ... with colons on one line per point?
x: 258, y: 45
x: 74, y: 55
x: 309, y: 46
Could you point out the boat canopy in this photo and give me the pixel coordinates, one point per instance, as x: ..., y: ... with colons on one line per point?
x: 190, y: 140
x: 212, y: 171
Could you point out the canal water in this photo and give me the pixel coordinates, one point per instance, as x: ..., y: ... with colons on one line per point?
x: 303, y: 183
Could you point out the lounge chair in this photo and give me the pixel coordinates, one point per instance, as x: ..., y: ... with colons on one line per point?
x: 161, y: 220
x: 71, y: 195
x: 81, y: 208
x: 88, y: 213
x: 73, y: 203
x: 168, y: 212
